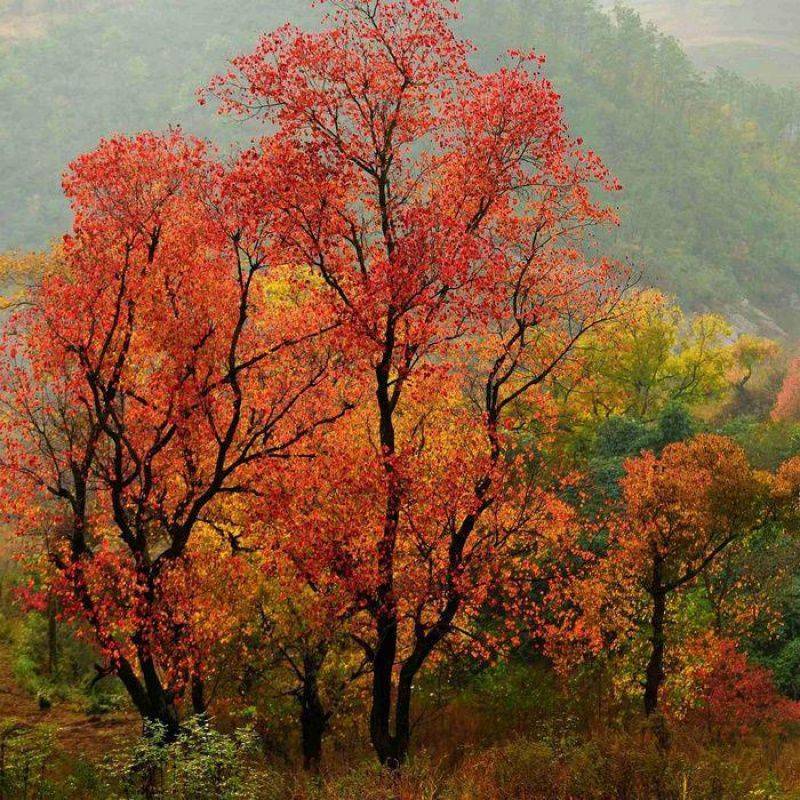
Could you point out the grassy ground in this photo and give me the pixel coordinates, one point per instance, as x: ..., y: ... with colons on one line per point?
x: 509, y: 733
x: 503, y: 739
x: 76, y: 733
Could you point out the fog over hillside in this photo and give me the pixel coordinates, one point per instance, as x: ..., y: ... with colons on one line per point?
x: 709, y: 162
x: 756, y: 38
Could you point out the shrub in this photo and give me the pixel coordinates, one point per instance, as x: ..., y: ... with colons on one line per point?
x: 71, y: 677
x: 737, y: 697
x: 201, y: 763
x: 787, y: 669
x: 24, y: 756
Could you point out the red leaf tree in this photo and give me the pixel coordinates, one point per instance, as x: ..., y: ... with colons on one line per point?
x: 445, y: 212
x: 787, y: 403
x: 150, y: 380
x: 734, y: 696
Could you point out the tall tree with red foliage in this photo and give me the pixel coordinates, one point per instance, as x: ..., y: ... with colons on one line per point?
x: 445, y: 211
x: 787, y: 403
x: 172, y: 363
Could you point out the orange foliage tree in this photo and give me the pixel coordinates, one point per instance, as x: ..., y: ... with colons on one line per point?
x: 158, y: 373
x: 445, y: 212
x: 679, y: 512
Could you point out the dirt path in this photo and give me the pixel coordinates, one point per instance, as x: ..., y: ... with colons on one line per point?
x: 76, y: 733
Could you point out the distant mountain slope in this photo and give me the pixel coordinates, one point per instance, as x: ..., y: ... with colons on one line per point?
x: 102, y: 67
x: 31, y: 19
x: 755, y: 38
x: 711, y: 167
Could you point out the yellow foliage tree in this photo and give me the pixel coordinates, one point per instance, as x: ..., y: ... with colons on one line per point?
x: 19, y: 271
x: 651, y: 355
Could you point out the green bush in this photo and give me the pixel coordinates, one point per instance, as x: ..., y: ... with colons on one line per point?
x: 787, y: 669
x: 71, y: 676
x: 24, y: 756
x: 201, y: 763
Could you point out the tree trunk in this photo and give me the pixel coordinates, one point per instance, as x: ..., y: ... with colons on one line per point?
x: 162, y: 705
x: 386, y: 625
x: 152, y: 701
x: 313, y: 717
x: 381, y: 711
x: 396, y: 745
x: 314, y: 723
x: 199, y: 706
x: 402, y: 727
x: 52, y: 635
x: 654, y: 677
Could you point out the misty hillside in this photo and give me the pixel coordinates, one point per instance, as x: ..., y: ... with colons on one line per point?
x: 755, y: 38
x: 710, y: 165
